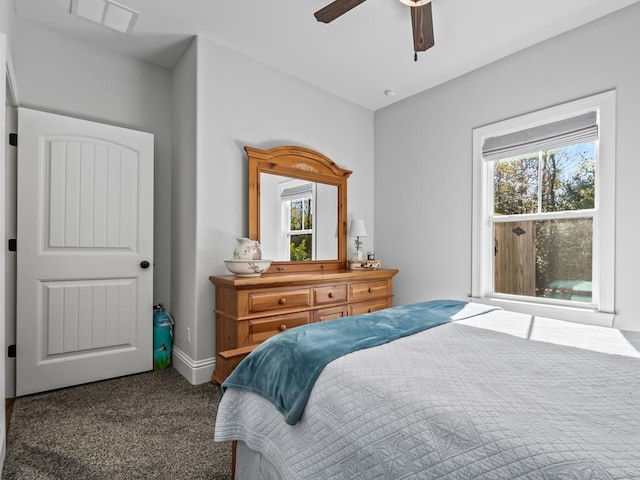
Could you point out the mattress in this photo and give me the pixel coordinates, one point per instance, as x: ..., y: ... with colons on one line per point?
x: 497, y: 396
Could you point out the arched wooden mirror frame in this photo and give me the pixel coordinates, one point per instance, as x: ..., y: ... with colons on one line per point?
x: 305, y: 164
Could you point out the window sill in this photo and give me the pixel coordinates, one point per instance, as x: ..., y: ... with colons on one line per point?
x: 586, y: 316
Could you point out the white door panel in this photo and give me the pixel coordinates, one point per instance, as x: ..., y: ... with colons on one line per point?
x: 75, y: 316
x: 85, y: 224
x: 92, y: 196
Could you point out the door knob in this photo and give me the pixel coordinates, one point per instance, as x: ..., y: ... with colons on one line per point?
x: 144, y: 264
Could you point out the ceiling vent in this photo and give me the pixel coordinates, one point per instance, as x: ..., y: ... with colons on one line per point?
x: 107, y: 13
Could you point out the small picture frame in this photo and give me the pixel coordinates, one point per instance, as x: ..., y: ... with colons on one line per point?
x: 365, y: 264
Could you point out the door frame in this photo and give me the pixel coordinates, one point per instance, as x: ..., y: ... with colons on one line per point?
x: 9, y: 212
x: 8, y: 78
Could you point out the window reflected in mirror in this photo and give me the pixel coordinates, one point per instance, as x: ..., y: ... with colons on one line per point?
x: 298, y: 219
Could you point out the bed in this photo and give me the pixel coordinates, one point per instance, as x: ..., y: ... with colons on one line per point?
x: 487, y: 394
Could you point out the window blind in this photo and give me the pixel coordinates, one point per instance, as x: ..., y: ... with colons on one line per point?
x: 571, y: 131
x: 295, y: 193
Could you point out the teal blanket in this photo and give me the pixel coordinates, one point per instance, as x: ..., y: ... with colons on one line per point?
x: 284, y: 368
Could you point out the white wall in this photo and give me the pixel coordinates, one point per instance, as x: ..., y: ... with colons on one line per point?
x: 423, y: 196
x: 271, y: 214
x: 326, y: 238
x: 7, y: 19
x: 242, y: 102
x: 60, y: 74
x: 183, y: 214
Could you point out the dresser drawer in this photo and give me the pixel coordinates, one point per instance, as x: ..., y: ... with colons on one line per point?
x: 330, y: 294
x: 363, y: 291
x: 264, y: 302
x: 261, y: 329
x: 330, y: 313
x: 368, y: 307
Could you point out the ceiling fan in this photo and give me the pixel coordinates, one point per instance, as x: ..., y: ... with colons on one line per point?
x: 421, y: 20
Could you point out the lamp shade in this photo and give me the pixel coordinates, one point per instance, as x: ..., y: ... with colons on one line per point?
x: 357, y: 229
x: 415, y: 3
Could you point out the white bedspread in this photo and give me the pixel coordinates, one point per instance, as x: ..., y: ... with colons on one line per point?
x: 484, y: 398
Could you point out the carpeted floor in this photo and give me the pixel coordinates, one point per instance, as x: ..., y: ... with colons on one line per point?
x: 152, y: 425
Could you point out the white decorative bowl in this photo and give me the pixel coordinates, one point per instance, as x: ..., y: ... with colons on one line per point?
x: 248, y: 268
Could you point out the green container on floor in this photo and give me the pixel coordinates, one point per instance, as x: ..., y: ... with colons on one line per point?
x: 162, y: 338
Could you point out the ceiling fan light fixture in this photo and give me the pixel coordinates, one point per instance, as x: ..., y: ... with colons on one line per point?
x: 415, y: 3
x: 421, y: 19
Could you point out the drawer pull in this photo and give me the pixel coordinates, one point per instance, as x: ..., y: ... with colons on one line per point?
x: 282, y: 328
x: 370, y: 290
x: 330, y: 294
x: 282, y: 301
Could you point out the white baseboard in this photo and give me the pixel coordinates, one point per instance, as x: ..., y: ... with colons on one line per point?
x: 195, y: 371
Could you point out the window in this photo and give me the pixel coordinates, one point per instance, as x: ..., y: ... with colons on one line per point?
x: 544, y: 211
x: 298, y: 214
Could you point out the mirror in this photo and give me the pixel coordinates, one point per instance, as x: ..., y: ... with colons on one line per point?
x: 297, y: 209
x: 298, y: 219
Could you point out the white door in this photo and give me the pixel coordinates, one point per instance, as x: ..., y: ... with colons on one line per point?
x: 85, y: 252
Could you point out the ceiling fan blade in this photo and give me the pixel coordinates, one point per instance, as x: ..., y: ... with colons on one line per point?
x: 422, y: 23
x: 335, y: 9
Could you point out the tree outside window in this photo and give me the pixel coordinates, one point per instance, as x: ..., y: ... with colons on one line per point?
x: 558, y: 257
x: 301, y: 229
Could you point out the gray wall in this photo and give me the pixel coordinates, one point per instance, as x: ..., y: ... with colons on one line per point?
x: 59, y: 74
x: 242, y: 102
x: 7, y: 19
x: 183, y: 213
x: 423, y: 155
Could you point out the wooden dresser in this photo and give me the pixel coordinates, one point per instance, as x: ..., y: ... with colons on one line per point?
x: 250, y: 310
